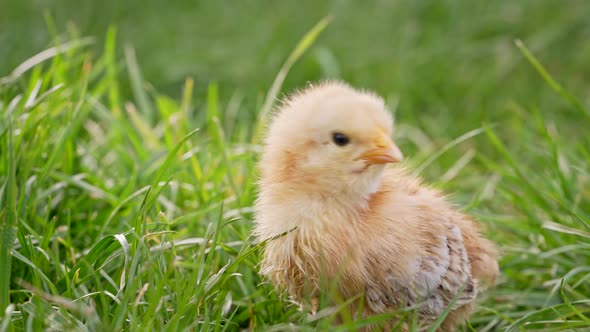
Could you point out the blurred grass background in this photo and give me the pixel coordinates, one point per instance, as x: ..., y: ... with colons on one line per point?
x: 451, y: 65
x: 445, y: 67
x: 440, y: 56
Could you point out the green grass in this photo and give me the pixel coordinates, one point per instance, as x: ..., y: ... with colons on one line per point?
x: 126, y: 208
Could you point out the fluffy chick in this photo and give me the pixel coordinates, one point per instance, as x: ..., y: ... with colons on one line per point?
x: 331, y: 209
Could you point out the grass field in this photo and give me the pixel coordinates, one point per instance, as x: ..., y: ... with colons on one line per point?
x: 128, y: 153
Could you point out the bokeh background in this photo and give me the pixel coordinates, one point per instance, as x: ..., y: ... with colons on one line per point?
x: 438, y: 57
x: 447, y: 66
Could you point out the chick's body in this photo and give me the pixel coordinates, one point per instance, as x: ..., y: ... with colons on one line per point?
x: 332, y: 211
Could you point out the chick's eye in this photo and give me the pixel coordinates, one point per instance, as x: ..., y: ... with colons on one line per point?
x: 340, y: 139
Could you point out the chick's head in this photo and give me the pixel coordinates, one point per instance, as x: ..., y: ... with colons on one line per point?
x: 330, y: 138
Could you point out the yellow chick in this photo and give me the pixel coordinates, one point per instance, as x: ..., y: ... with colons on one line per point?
x: 331, y: 210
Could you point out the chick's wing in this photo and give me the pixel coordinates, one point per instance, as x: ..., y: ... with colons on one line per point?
x: 416, y: 255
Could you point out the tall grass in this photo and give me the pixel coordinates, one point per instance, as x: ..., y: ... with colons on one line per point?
x: 135, y: 214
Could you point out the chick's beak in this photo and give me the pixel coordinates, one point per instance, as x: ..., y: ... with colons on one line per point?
x: 385, y: 152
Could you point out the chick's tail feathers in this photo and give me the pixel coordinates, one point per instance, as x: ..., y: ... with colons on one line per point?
x: 482, y: 253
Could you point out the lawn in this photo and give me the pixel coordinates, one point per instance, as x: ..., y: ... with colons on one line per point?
x: 129, y: 137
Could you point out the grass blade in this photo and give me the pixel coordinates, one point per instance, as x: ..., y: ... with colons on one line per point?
x: 8, y: 219
x: 437, y: 323
x: 44, y: 56
x: 447, y: 147
x: 299, y: 50
x: 549, y: 79
x: 145, y: 105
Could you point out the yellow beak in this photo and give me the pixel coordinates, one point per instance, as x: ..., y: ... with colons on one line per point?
x: 385, y: 152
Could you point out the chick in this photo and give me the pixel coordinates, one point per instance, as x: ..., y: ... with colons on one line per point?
x: 331, y: 209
